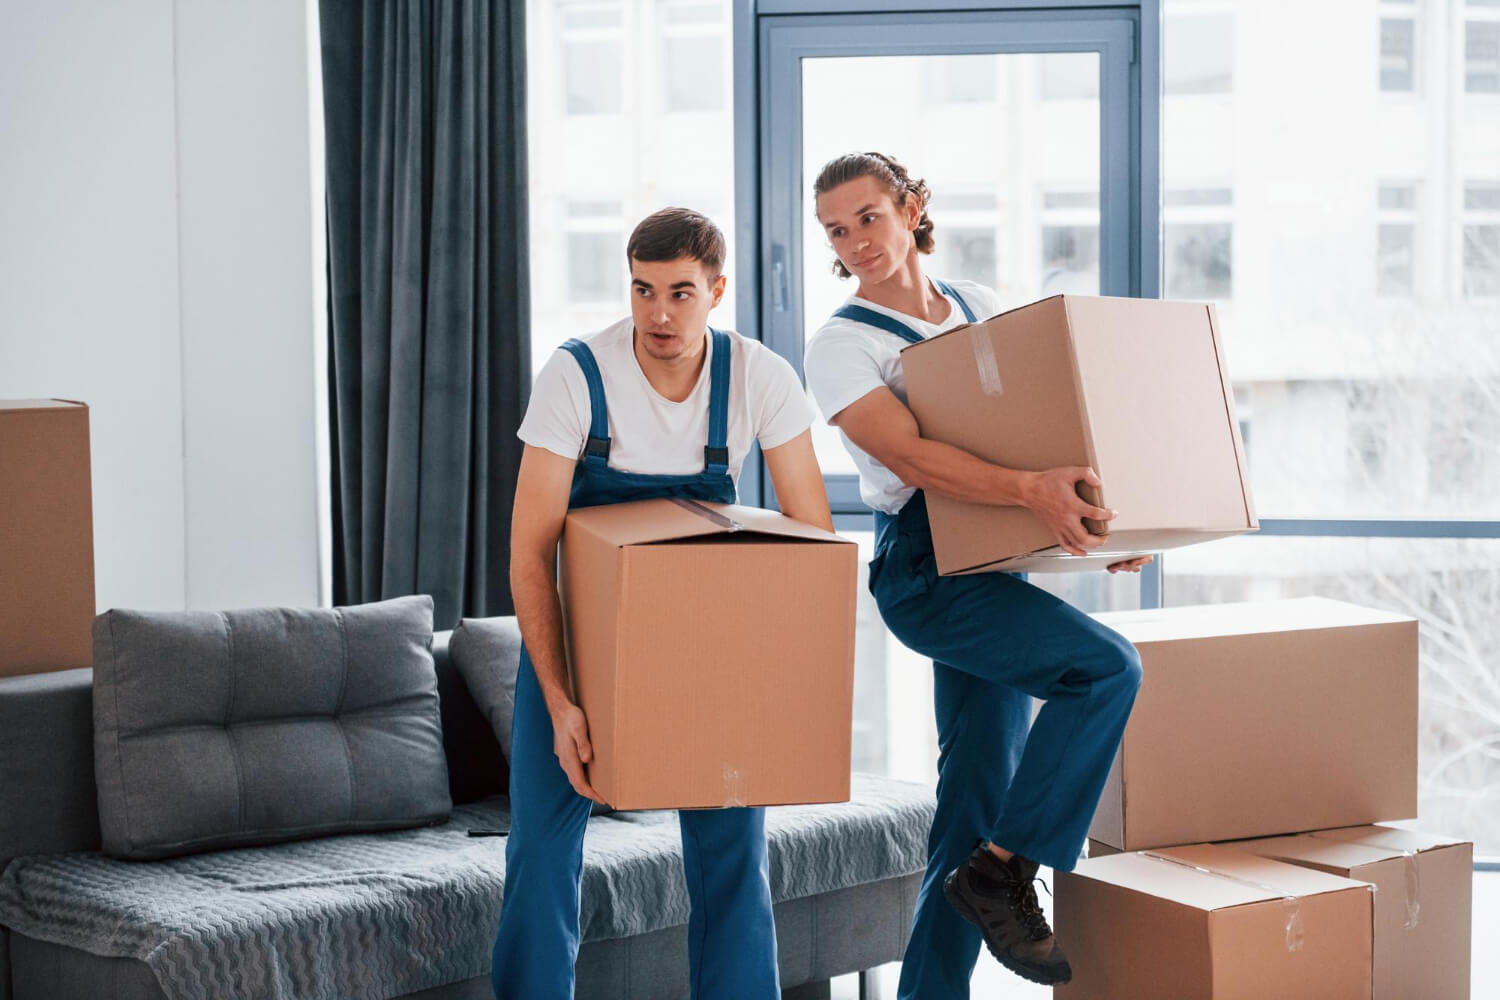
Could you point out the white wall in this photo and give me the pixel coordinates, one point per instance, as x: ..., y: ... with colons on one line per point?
x: 156, y: 262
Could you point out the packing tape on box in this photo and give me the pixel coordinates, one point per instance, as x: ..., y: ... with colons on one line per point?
x: 1291, y: 903
x: 984, y: 361
x: 734, y: 787
x: 1413, y: 882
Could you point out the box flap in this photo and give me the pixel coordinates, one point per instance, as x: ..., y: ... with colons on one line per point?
x: 1243, y: 618
x: 1314, y: 850
x: 644, y: 522
x: 1210, y: 876
x: 41, y: 404
x: 1390, y: 839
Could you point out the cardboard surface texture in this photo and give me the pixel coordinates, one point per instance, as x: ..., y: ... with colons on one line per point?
x: 1260, y: 719
x: 1201, y: 922
x: 1423, y: 901
x: 712, y: 651
x: 46, y: 537
x: 1134, y: 388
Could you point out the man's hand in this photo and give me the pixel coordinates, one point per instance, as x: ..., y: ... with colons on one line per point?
x: 1129, y: 565
x: 570, y: 742
x: 1053, y: 496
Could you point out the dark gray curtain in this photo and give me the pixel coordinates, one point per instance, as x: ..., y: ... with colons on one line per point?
x: 428, y: 316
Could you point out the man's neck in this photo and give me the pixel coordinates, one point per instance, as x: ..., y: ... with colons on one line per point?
x: 673, y: 379
x: 908, y: 291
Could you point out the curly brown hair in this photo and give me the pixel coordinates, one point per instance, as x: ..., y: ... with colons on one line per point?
x: 893, y: 176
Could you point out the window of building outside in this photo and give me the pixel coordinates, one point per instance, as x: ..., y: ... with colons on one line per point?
x: 1482, y: 57
x: 694, y: 48
x: 960, y: 79
x: 1481, y: 240
x: 1069, y: 245
x: 1356, y: 241
x: 593, y: 38
x: 594, y: 265
x: 1398, y: 53
x: 1198, y: 243
x: 1396, y: 240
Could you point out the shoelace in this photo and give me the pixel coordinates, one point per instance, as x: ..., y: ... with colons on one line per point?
x: 1026, y: 904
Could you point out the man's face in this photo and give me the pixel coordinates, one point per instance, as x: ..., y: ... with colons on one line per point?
x: 669, y: 302
x: 869, y: 232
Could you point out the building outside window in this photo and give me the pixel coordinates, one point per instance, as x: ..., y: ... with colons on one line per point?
x: 593, y: 57
x: 595, y: 265
x: 1396, y: 240
x: 1198, y: 243
x: 1398, y: 54
x: 1482, y: 57
x: 1198, y: 53
x: 1481, y: 240
x: 694, y: 55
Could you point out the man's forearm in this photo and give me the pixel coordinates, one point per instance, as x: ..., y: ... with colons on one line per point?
x: 953, y: 472
x: 539, y: 612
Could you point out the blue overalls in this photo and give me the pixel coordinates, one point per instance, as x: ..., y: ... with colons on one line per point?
x: 731, y: 936
x: 996, y: 642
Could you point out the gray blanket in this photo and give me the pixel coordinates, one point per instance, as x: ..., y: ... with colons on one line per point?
x: 372, y: 916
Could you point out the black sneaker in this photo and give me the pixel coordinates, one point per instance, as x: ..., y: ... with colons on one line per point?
x: 998, y: 897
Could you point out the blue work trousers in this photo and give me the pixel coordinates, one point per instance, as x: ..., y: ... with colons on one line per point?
x: 731, y: 934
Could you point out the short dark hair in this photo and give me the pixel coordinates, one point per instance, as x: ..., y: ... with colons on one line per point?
x: 678, y: 232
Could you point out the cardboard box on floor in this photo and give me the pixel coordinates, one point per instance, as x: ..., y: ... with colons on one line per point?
x: 1211, y: 923
x: 1260, y: 719
x: 712, y: 650
x: 1423, y: 903
x: 46, y: 536
x: 1134, y: 388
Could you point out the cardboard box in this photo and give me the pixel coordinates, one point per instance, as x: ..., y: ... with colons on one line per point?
x: 1134, y: 388
x: 712, y: 650
x: 46, y: 536
x: 1423, y: 903
x: 1194, y: 923
x: 1261, y: 719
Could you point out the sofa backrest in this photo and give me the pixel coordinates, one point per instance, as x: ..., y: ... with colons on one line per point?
x: 48, y: 800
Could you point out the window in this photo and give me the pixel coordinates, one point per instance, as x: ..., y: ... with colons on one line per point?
x: 595, y: 264
x: 593, y: 43
x: 1069, y: 76
x: 1481, y: 240
x: 1395, y: 237
x: 1198, y: 54
x: 1482, y: 57
x: 1398, y: 53
x: 1198, y: 243
x: 1069, y: 257
x: 694, y: 58
x: 959, y: 79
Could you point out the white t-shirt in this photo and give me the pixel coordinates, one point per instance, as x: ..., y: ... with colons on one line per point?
x: 846, y: 360
x: 649, y: 433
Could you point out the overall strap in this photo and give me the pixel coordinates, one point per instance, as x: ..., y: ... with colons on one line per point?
x: 596, y: 450
x: 880, y: 321
x: 716, y: 454
x: 949, y: 291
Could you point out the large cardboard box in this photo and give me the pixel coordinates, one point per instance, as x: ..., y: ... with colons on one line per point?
x: 712, y: 650
x: 46, y: 536
x: 1423, y: 903
x: 1211, y: 923
x: 1263, y: 718
x: 1134, y: 388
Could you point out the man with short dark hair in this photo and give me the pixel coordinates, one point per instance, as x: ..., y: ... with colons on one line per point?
x: 656, y: 405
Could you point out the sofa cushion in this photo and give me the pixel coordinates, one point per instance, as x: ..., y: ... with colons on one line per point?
x: 221, y: 729
x: 487, y: 652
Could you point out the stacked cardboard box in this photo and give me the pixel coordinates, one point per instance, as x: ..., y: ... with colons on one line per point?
x: 46, y: 536
x: 1294, y: 722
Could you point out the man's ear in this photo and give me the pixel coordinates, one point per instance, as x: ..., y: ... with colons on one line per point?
x: 720, y: 283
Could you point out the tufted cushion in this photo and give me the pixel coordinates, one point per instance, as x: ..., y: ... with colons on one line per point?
x: 216, y: 730
x: 487, y: 652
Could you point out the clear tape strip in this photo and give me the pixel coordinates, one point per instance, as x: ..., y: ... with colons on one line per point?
x: 1291, y: 903
x: 734, y: 787
x: 984, y: 361
x: 1413, y: 879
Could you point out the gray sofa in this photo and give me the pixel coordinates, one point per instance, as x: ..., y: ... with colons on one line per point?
x: 844, y: 877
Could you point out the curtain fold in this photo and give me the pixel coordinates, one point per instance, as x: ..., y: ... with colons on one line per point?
x: 428, y: 313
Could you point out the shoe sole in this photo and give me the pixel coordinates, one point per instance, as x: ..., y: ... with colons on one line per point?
x: 965, y: 910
